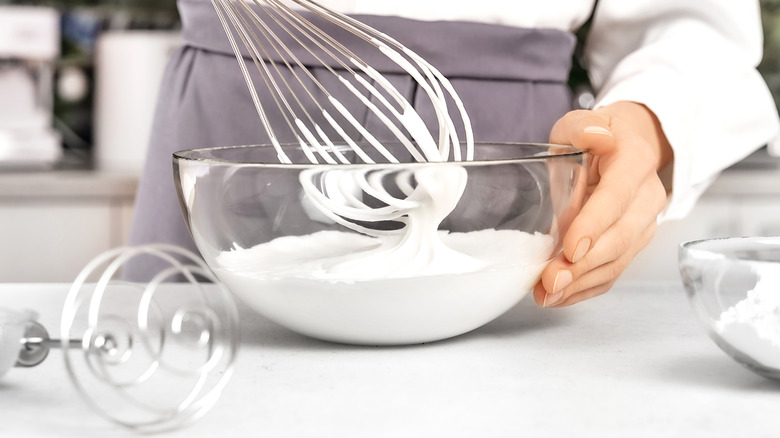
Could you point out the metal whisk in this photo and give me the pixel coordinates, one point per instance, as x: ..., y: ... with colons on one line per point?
x: 324, y: 112
x: 148, y: 356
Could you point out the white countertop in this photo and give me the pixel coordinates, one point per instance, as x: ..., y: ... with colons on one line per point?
x: 67, y: 184
x: 632, y: 363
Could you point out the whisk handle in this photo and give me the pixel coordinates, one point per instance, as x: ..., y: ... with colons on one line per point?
x: 36, y: 344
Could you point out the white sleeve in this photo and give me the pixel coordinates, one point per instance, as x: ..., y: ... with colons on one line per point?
x: 693, y: 64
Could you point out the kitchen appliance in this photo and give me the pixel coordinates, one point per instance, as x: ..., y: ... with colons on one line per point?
x: 124, y: 114
x: 29, y: 45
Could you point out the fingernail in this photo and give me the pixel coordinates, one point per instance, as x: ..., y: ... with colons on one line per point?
x: 597, y: 130
x: 551, y: 299
x: 582, y: 249
x: 562, y: 279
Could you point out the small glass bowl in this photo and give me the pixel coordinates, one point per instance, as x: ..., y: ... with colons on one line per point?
x: 734, y: 287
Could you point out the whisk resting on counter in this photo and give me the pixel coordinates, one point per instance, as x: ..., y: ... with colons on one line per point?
x: 324, y: 112
x: 150, y: 357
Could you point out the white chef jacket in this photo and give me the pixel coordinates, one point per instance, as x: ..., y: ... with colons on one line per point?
x: 692, y: 62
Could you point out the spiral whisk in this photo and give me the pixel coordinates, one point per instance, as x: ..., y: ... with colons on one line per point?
x: 150, y: 357
x: 325, y: 113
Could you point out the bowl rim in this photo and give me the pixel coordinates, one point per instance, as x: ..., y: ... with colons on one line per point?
x: 694, y: 247
x: 570, y: 151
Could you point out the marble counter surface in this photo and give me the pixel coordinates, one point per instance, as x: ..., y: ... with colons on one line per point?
x: 632, y: 363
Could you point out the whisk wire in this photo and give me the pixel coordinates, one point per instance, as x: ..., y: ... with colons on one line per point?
x: 275, y: 42
x: 270, y: 38
x: 250, y: 85
x: 314, y: 35
x: 433, y: 75
x: 371, y: 89
x: 251, y: 42
x: 409, y: 118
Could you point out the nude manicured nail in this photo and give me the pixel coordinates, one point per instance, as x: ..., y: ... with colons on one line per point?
x: 597, y: 130
x: 562, y: 279
x: 582, y: 249
x: 551, y: 299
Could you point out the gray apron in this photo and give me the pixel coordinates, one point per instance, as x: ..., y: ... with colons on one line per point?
x: 513, y: 83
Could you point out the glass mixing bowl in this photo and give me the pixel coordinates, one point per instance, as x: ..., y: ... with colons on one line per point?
x: 734, y: 288
x: 380, y: 254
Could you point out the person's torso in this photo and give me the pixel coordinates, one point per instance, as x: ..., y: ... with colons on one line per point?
x: 567, y: 15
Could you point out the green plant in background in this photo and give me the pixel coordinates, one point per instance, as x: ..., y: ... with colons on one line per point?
x: 770, y: 65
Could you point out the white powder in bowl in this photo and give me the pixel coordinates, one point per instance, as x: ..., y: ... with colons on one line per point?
x: 753, y: 324
x: 351, y: 288
x: 350, y: 257
x: 373, y: 286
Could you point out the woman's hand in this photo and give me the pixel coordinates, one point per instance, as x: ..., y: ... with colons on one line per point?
x: 623, y: 199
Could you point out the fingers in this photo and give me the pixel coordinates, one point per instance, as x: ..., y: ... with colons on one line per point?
x: 623, y: 175
x: 616, y: 192
x: 586, y: 283
x: 576, y: 298
x: 610, y: 253
x: 599, y: 280
x: 616, y: 172
x: 622, y: 202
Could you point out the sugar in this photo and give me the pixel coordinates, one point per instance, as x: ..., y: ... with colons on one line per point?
x: 753, y: 324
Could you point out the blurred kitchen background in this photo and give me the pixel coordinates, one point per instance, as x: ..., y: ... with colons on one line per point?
x: 78, y: 83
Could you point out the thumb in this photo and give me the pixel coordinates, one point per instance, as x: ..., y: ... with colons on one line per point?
x: 583, y: 129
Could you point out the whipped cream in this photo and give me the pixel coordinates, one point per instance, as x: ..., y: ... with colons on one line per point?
x: 395, y: 278
x: 337, y: 256
x: 414, y: 248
